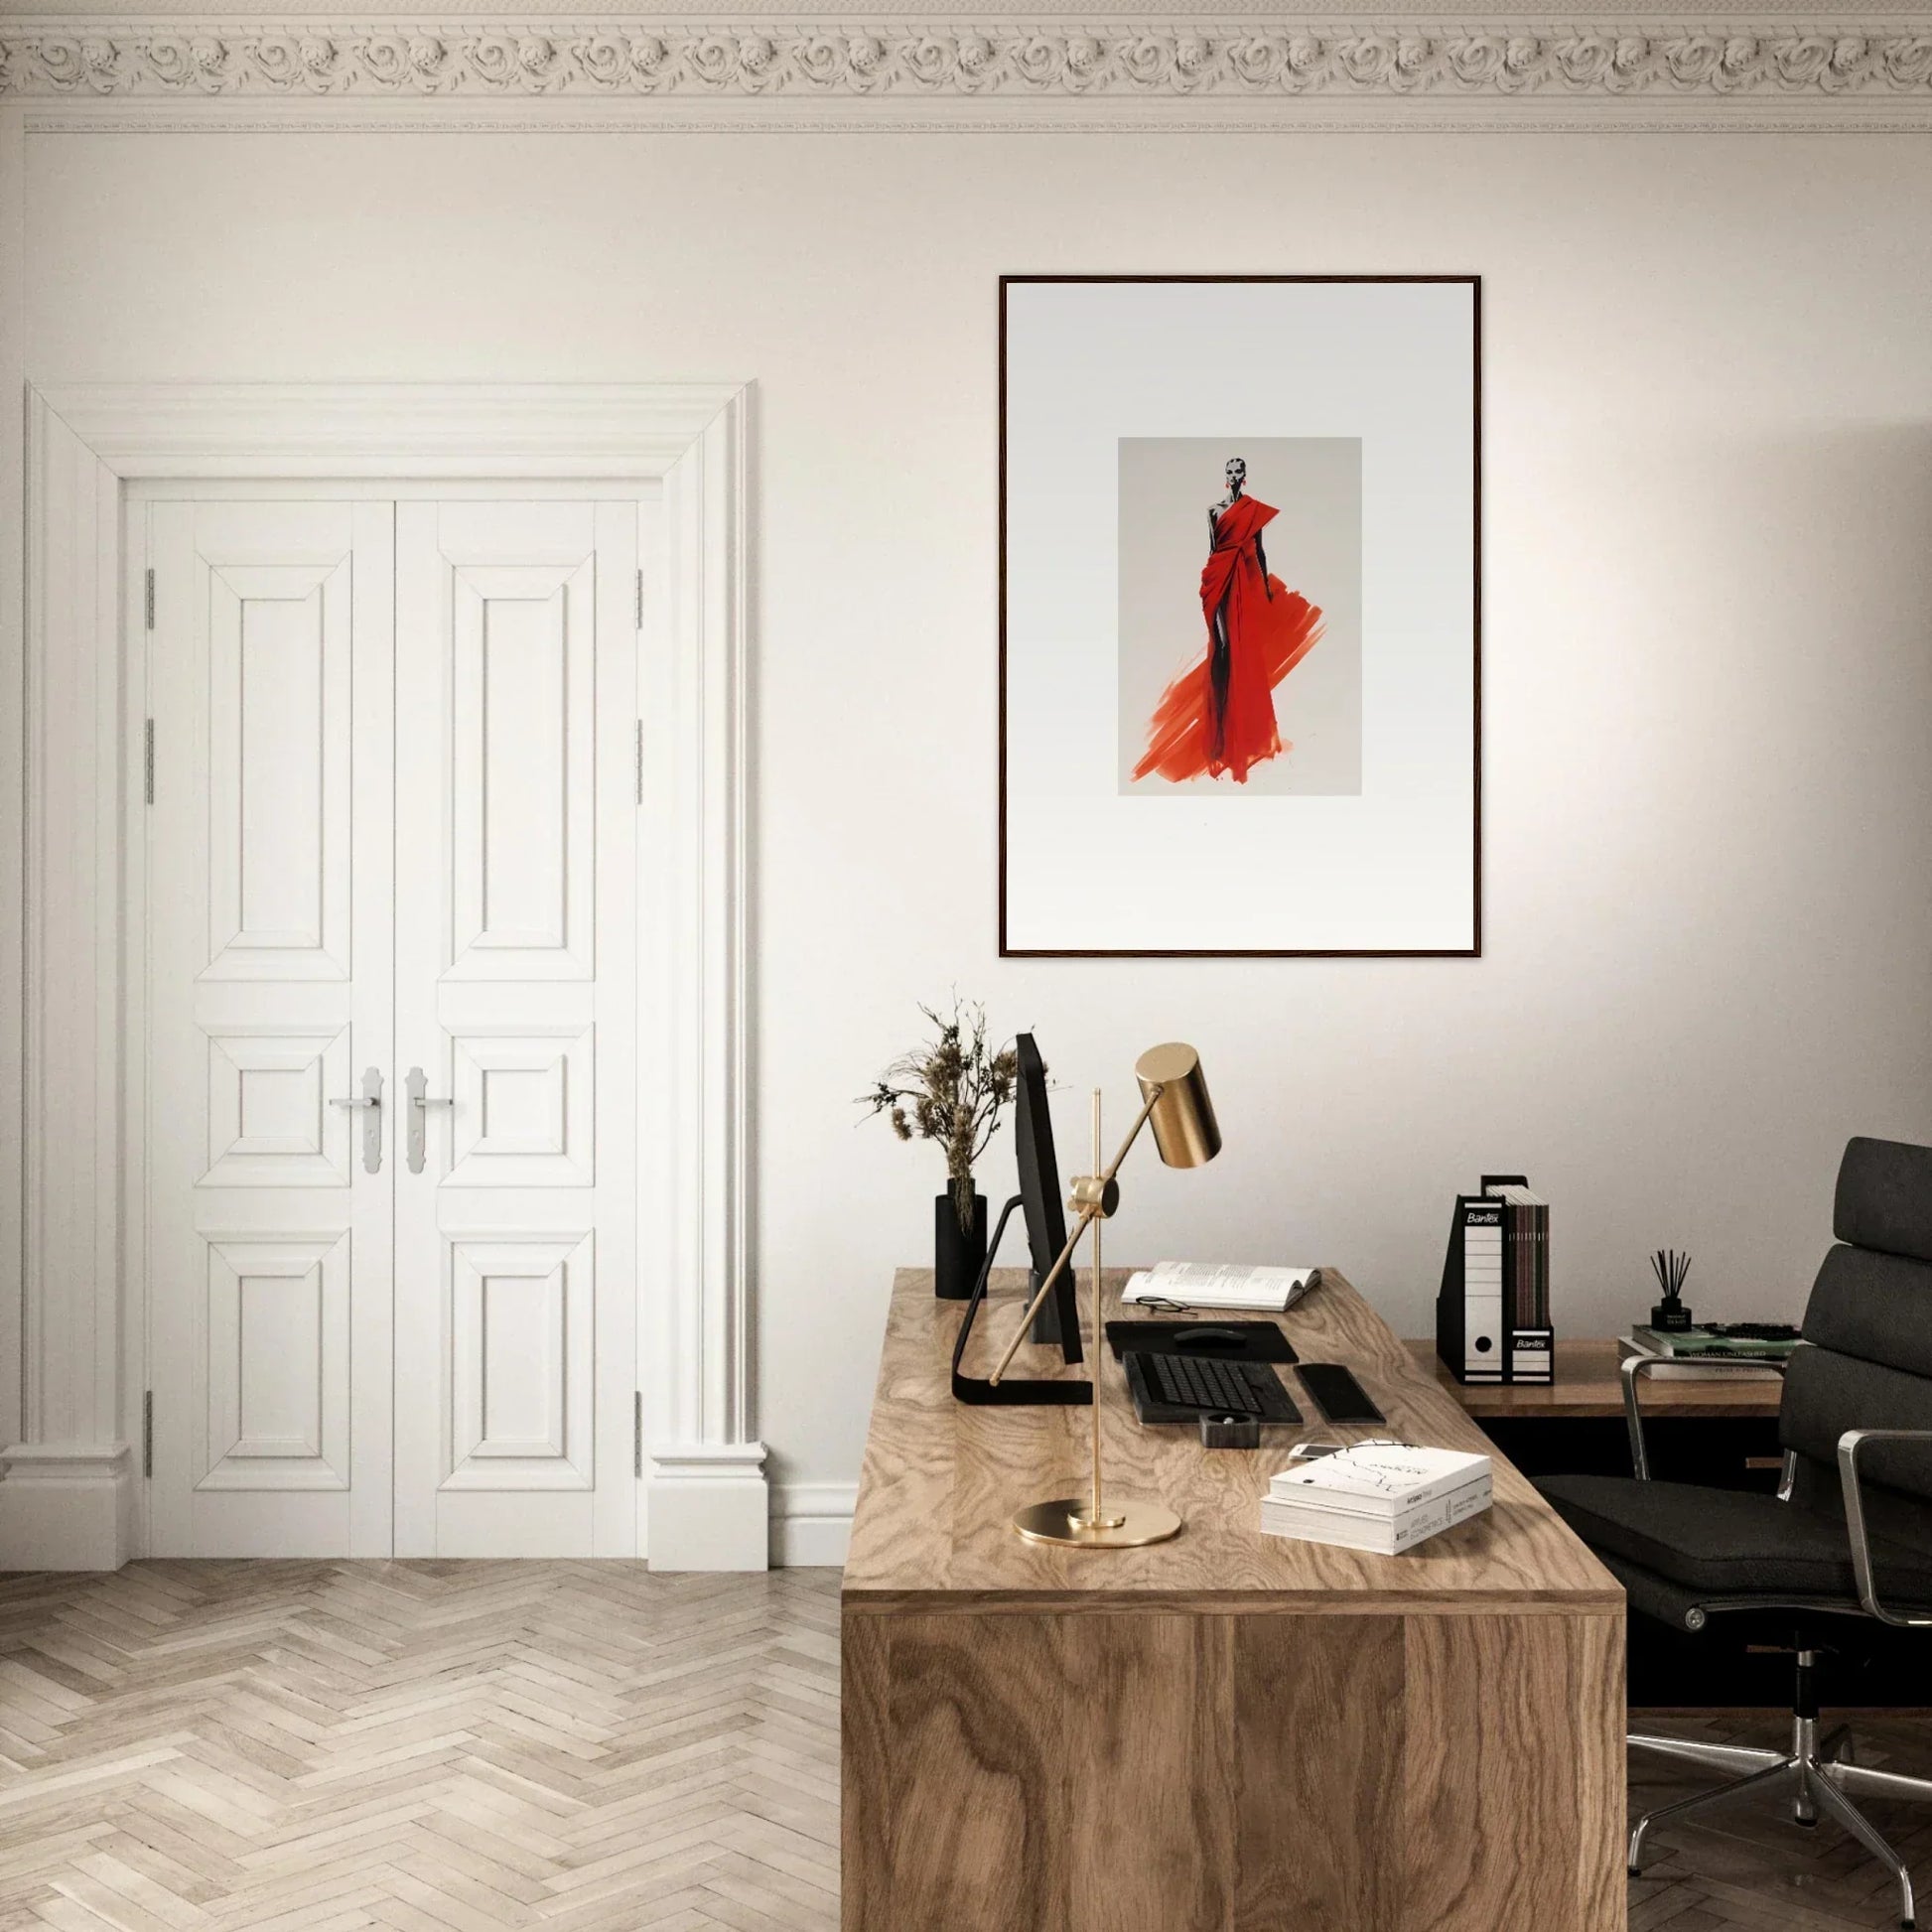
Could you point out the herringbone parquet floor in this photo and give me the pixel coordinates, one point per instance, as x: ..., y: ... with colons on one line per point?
x: 464, y: 1748
x: 425, y: 1747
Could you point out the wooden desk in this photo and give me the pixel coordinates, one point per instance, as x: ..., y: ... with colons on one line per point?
x: 1587, y: 1386
x: 1227, y: 1732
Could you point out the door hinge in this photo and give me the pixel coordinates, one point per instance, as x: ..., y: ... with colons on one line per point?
x: 640, y: 760
x: 150, y: 598
x: 641, y: 599
x: 637, y: 1433
x: 147, y: 760
x: 147, y: 1433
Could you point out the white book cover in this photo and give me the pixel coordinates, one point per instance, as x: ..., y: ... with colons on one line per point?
x: 1385, y: 1535
x: 1382, y: 1477
x: 1343, y: 1536
x: 1473, y: 1494
x: 1325, y: 1503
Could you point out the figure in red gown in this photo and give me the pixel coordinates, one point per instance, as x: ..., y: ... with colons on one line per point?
x: 1218, y: 717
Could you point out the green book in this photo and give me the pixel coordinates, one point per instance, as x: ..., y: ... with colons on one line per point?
x: 1684, y: 1343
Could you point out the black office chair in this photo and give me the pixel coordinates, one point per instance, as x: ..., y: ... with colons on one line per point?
x: 1848, y: 1535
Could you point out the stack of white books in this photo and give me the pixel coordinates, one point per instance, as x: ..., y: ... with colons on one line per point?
x: 1380, y: 1496
x: 1214, y: 1285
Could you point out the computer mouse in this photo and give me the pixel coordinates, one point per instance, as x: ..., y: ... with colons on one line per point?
x: 1208, y: 1338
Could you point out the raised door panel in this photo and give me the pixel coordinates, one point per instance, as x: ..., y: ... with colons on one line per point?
x: 516, y: 647
x: 269, y: 996
x: 524, y: 1112
x: 275, y: 1369
x: 522, y: 1341
x: 270, y: 1121
x: 522, y: 693
x: 278, y: 772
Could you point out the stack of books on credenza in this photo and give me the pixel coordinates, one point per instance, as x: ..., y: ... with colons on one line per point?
x: 1704, y: 1355
x: 1380, y: 1496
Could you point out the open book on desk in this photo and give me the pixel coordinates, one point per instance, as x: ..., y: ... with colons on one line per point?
x: 1214, y: 1285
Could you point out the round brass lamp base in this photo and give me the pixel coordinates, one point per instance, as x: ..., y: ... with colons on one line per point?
x: 1128, y: 1525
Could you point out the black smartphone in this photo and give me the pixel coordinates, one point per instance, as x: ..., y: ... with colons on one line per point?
x: 1337, y: 1394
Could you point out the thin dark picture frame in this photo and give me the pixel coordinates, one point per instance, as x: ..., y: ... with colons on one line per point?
x: 1471, y: 951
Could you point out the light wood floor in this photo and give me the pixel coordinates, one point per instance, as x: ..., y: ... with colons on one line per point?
x: 428, y: 1746
x: 461, y: 1747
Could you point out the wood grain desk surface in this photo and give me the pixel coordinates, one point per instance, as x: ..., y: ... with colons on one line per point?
x: 1588, y: 1385
x: 941, y: 1478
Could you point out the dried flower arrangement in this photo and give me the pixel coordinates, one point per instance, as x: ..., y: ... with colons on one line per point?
x: 951, y: 1090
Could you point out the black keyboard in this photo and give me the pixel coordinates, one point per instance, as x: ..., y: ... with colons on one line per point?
x: 1203, y: 1386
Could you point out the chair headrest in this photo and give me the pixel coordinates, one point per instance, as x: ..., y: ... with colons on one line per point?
x: 1885, y: 1198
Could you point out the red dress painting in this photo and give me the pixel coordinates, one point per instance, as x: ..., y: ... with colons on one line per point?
x: 1217, y: 718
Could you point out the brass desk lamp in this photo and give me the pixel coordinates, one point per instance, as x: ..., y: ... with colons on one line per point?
x: 1175, y: 1102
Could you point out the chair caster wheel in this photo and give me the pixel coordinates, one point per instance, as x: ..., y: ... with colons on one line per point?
x: 1810, y: 1824
x: 1633, y: 1871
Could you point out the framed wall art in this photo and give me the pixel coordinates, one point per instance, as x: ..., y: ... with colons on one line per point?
x: 1240, y: 615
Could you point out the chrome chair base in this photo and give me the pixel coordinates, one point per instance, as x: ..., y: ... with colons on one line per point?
x: 1820, y: 1774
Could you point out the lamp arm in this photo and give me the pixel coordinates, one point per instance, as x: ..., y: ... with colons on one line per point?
x: 1088, y: 1215
x: 1134, y: 1132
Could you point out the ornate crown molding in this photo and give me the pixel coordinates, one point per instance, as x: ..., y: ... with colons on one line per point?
x: 1234, y: 63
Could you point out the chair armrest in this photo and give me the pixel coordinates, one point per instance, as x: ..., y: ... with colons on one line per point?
x: 1635, y: 1367
x: 1849, y: 1446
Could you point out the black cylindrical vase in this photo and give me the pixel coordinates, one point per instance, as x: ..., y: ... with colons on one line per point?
x: 957, y: 1257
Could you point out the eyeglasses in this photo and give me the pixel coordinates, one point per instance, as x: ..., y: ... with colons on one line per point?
x: 1309, y: 1451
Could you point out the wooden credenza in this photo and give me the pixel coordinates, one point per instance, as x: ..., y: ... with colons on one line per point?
x: 1226, y: 1733
x: 1720, y: 1431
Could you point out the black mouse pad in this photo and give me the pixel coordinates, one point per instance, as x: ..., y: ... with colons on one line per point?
x: 1223, y: 1341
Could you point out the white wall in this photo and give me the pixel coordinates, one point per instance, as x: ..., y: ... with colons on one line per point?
x: 1708, y: 654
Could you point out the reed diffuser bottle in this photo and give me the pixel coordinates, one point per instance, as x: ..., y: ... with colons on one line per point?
x: 1670, y: 1314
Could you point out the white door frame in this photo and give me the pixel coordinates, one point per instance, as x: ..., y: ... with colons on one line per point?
x: 71, y: 1486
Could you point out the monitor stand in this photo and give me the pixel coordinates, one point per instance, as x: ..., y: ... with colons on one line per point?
x: 1011, y: 1391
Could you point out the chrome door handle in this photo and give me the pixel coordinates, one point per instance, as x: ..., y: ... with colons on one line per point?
x: 420, y: 1102
x: 371, y: 1100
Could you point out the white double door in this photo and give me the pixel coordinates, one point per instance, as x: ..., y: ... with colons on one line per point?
x: 391, y: 987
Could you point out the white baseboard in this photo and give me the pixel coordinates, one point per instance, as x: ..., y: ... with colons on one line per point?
x: 812, y: 1523
x: 67, y: 1506
x: 709, y: 1507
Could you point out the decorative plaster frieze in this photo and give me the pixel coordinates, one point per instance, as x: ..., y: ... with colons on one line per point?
x: 1128, y: 61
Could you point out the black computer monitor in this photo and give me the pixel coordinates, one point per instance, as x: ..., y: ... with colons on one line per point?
x: 1039, y: 1200
x: 1040, y: 1195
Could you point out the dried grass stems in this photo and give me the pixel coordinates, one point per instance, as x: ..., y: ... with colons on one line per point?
x: 951, y: 1090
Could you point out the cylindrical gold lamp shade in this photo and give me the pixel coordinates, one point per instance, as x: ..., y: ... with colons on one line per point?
x: 1182, y: 1118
